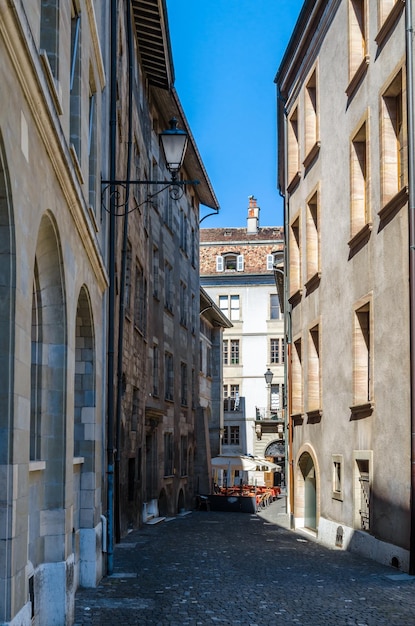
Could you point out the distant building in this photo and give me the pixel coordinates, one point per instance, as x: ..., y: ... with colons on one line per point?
x: 343, y: 88
x: 237, y: 271
x: 209, y: 425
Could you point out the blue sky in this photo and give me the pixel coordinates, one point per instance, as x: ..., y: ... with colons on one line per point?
x: 226, y: 54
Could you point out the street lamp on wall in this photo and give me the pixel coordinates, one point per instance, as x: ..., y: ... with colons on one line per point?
x: 174, y: 142
x: 268, y: 376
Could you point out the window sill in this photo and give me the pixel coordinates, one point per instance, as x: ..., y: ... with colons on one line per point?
x: 51, y: 82
x: 312, y: 283
x: 389, y: 23
x: 293, y: 182
x: 387, y: 212
x: 357, y: 76
x: 359, y: 411
x: 76, y: 163
x: 78, y: 460
x: 37, y: 466
x: 360, y: 238
x: 297, y: 419
x: 314, y: 416
x: 295, y: 298
x: 312, y: 155
x: 337, y: 495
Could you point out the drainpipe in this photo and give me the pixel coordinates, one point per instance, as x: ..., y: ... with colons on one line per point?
x: 287, y: 331
x: 411, y: 225
x: 111, y: 293
x: 120, y: 352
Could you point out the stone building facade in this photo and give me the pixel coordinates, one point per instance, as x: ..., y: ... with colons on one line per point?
x: 343, y: 169
x: 53, y: 281
x: 76, y: 295
x: 157, y: 265
x: 237, y: 271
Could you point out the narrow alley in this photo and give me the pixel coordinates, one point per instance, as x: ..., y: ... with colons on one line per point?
x: 241, y: 569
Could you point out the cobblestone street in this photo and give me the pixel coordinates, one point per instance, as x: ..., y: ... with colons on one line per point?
x: 241, y: 569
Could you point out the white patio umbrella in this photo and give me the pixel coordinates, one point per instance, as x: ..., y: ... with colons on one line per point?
x: 263, y: 465
x: 232, y: 462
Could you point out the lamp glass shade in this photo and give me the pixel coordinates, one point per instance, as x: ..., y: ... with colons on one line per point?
x: 268, y: 376
x: 174, y: 142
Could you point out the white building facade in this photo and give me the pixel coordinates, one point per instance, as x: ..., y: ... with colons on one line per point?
x: 237, y: 271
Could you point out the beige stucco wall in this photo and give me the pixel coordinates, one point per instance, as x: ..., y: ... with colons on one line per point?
x: 377, y: 271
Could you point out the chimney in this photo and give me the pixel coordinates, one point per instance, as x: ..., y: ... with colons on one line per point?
x: 252, y: 222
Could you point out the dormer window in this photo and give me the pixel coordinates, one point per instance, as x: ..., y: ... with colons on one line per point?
x: 230, y: 262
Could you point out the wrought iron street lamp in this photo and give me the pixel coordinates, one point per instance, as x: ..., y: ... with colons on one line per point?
x: 268, y: 376
x: 174, y: 142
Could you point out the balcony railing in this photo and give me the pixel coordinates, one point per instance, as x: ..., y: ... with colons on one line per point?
x: 234, y: 404
x: 261, y: 413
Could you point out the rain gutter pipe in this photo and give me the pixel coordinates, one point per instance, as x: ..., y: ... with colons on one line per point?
x: 111, y: 293
x: 123, y: 279
x: 411, y: 226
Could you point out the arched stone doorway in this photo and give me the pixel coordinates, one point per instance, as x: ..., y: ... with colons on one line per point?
x: 306, y: 488
x: 276, y: 451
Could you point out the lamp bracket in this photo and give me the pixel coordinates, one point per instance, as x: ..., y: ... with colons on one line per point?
x: 116, y: 187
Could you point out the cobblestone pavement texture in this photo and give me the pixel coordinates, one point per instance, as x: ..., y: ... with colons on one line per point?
x: 208, y: 568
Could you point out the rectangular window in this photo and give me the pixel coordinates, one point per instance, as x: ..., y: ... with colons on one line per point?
x: 183, y: 456
x: 183, y: 231
x: 293, y: 148
x: 225, y: 439
x: 128, y: 278
x: 295, y: 260
x: 234, y: 351
x: 49, y: 32
x: 234, y: 435
x: 357, y: 35
x: 92, y: 150
x: 393, y: 160
x: 183, y: 384
x: 156, y: 273
x: 168, y: 211
x: 297, y: 378
x: 313, y: 381
x: 134, y: 409
x: 168, y: 454
x: 208, y: 361
x: 183, y: 304
x: 363, y: 463
x: 231, y: 401
x: 312, y: 237
x: 310, y: 116
x: 274, y: 305
x: 274, y: 350
x: 75, y: 82
x: 140, y: 301
x: 156, y: 371
x: 169, y: 376
x: 226, y: 352
x: 359, y: 181
x: 131, y: 479
x: 168, y: 286
x: 270, y: 262
x: 230, y: 306
x: 337, y: 488
x: 362, y: 384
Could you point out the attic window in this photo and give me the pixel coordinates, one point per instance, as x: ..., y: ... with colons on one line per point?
x: 230, y: 262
